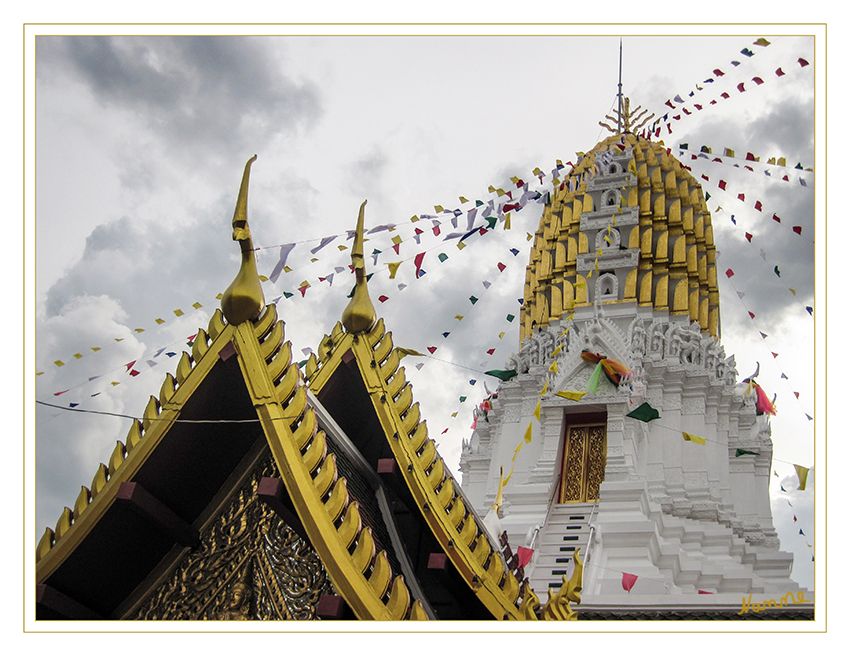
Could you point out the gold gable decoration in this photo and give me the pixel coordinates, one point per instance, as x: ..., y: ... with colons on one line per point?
x: 249, y: 566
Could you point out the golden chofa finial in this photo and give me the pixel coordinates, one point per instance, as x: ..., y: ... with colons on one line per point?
x: 359, y: 315
x: 243, y: 300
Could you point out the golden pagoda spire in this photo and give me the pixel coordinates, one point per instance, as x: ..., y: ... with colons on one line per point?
x: 243, y: 300
x: 359, y: 316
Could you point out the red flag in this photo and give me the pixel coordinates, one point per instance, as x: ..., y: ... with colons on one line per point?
x: 758, y: 80
x: 58, y: 393
x: 395, y: 248
x: 721, y: 184
x: 417, y: 262
x: 729, y: 273
x: 777, y: 219
x: 383, y: 299
x: 795, y: 518
x: 724, y: 95
x: 703, y: 592
x: 501, y: 266
x: 775, y: 355
x: 718, y: 72
x: 797, y: 394
x: 436, y: 230
x: 750, y: 157
x: 752, y: 316
x: 303, y: 290
x: 629, y: 581
x: 779, y: 72
x: 749, y: 237
x: 741, y: 197
x: 524, y: 555
x: 431, y: 349
x: 134, y: 373
x: 802, y: 62
x: 758, y: 205
x: 798, y: 229
x: 740, y: 87
x: 490, y: 351
x: 130, y: 364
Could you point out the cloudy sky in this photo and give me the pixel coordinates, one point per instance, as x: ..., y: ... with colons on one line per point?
x: 141, y: 143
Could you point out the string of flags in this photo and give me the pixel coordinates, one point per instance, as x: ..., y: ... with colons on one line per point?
x: 757, y: 205
x: 677, y: 103
x: 776, y: 271
x: 729, y: 275
x: 705, y: 153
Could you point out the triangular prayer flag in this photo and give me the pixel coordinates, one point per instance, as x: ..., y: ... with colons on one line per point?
x: 527, y: 437
x: 743, y: 452
x: 536, y: 412
x: 693, y: 438
x: 593, y: 381
x: 629, y: 581
x: 545, y: 387
x: 502, y: 374
x: 393, y: 267
x: 524, y: 555
x: 473, y: 300
x: 644, y: 412
x: 403, y: 352
x: 554, y: 366
x: 431, y: 349
x: 802, y: 475
x: 572, y: 396
x: 417, y: 262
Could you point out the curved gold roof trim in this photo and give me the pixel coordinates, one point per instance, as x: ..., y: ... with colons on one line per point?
x: 672, y: 240
x: 330, y: 516
x: 453, y: 523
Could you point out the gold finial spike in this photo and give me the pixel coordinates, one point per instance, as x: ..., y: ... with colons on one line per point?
x: 243, y: 300
x: 359, y: 315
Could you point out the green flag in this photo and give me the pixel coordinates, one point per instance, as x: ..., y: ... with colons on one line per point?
x: 502, y: 374
x: 593, y: 383
x: 644, y: 412
x: 744, y: 452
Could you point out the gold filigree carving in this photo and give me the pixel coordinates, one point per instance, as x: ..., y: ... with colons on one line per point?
x: 250, y: 566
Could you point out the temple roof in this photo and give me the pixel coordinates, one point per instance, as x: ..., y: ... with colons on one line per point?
x: 360, y: 480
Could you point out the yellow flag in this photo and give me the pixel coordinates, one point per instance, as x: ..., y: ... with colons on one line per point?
x: 198, y: 306
x: 454, y: 414
x: 693, y: 438
x: 537, y: 411
x: 393, y: 266
x: 527, y: 236
x: 78, y: 355
x: 461, y: 245
x: 566, y: 330
x: 342, y: 247
x: 572, y: 396
x: 95, y: 348
x: 502, y: 334
x: 781, y: 161
x: 463, y: 200
x: 439, y: 208
x: 458, y: 317
x: 159, y: 321
x: 286, y: 269
x: 403, y: 351
x: 505, y: 482
x: 397, y: 239
x: 554, y: 367
x: 179, y: 313
x: 802, y: 475
x: 528, y: 434
x: 557, y: 350
x: 414, y: 219
x: 508, y: 221
x: 545, y: 387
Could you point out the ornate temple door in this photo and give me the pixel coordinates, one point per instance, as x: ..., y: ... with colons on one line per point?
x: 583, y: 465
